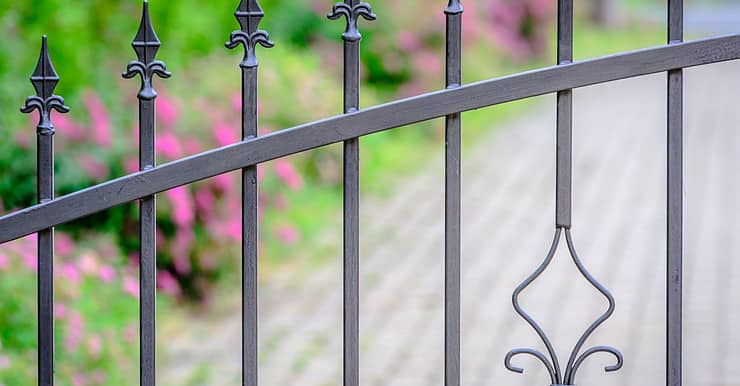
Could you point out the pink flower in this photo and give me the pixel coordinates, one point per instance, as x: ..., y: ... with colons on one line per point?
x: 224, y: 182
x: 408, y: 41
x: 168, y: 146
x: 97, y: 170
x: 236, y: 102
x: 427, y: 62
x: 4, y: 362
x: 131, y: 286
x: 181, y: 250
x: 60, y: 310
x: 234, y: 228
x: 94, y: 346
x: 182, y: 206
x: 166, y: 111
x: 89, y: 264
x: 191, y: 145
x: 130, y: 333
x: 287, y: 173
x: 168, y: 284
x: 4, y: 261
x: 64, y: 245
x: 98, y: 377
x: 22, y: 139
x: 70, y: 272
x: 288, y: 235
x: 225, y: 134
x: 106, y: 274
x: 79, y: 380
x: 69, y: 128
x: 99, y: 119
x: 30, y: 260
x: 75, y: 331
x: 131, y: 165
x: 205, y: 202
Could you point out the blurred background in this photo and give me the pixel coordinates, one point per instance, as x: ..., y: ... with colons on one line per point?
x: 508, y: 189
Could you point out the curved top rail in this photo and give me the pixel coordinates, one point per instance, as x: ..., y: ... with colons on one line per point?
x: 371, y: 120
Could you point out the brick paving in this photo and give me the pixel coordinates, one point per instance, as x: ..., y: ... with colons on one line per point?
x: 508, y: 213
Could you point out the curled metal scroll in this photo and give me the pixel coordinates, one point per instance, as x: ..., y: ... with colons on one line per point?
x: 352, y: 11
x: 249, y: 14
x: 577, y: 357
x: 146, y: 44
x: 44, y: 80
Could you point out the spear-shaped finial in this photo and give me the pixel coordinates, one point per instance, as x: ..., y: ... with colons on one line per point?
x: 249, y: 14
x: 44, y: 80
x: 146, y: 44
x: 352, y: 10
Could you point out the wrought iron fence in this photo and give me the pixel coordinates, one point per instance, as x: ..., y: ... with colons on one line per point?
x: 348, y: 128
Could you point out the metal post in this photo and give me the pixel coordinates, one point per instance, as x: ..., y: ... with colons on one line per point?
x: 45, y: 80
x: 249, y: 14
x: 146, y: 44
x: 564, y: 119
x: 453, y: 56
x: 674, y: 230
x: 352, y: 10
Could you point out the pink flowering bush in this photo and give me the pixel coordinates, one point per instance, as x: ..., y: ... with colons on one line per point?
x: 96, y: 335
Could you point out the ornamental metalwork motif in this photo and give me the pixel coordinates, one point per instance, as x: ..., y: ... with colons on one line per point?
x: 146, y: 44
x: 352, y: 10
x: 249, y: 14
x: 44, y: 80
x: 552, y: 364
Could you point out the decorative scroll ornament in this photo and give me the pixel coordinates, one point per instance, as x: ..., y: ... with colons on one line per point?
x: 44, y: 80
x: 551, y: 363
x: 249, y: 14
x: 146, y: 44
x: 454, y: 8
x: 352, y: 10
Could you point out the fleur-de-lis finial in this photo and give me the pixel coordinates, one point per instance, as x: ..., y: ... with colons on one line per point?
x: 146, y: 44
x: 454, y: 7
x: 249, y: 14
x: 44, y: 80
x: 352, y: 10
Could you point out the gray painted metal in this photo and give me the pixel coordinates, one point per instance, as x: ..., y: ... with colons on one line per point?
x: 674, y: 205
x: 563, y: 222
x: 44, y: 80
x: 355, y: 123
x: 453, y: 184
x: 352, y: 10
x: 249, y: 14
x: 146, y: 44
x: 366, y: 121
x: 563, y: 199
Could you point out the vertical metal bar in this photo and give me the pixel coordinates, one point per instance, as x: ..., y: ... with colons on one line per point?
x: 147, y: 249
x: 351, y: 283
x: 564, y: 119
x: 44, y: 80
x: 453, y: 77
x: 249, y: 14
x: 45, y: 178
x: 352, y: 10
x: 674, y: 229
x: 249, y: 234
x: 146, y: 44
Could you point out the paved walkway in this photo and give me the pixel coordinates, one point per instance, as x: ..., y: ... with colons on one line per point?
x: 508, y: 195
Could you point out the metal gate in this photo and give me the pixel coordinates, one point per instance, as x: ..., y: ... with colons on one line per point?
x: 348, y: 128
